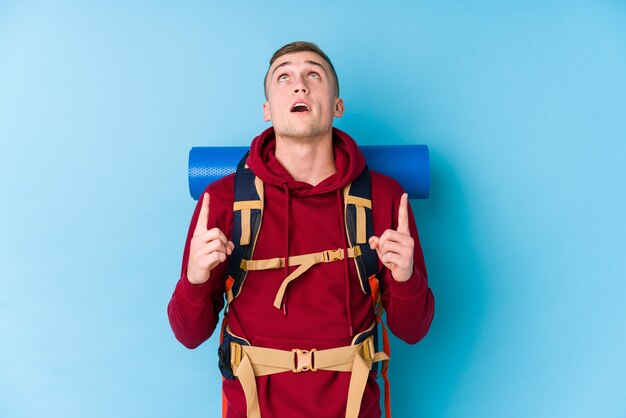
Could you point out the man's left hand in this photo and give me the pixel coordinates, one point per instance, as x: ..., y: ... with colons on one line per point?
x: 395, y: 248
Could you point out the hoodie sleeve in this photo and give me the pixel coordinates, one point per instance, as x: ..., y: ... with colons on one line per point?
x: 193, y: 310
x: 409, y: 305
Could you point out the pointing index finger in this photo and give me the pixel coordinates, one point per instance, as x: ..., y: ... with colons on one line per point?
x: 403, y: 215
x: 203, y: 217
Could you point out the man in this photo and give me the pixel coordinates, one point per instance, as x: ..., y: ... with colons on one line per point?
x: 305, y: 165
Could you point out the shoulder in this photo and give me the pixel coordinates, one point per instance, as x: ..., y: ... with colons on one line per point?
x: 222, y: 185
x: 384, y: 186
x: 386, y: 194
x: 222, y: 192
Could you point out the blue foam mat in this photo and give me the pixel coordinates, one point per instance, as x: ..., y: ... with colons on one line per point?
x: 408, y: 164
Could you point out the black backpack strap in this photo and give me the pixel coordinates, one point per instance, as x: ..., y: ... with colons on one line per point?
x: 360, y: 227
x: 247, y: 216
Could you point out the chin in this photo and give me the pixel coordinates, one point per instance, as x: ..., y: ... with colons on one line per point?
x: 301, y: 132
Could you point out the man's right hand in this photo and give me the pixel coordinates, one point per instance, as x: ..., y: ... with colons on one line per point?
x: 208, y: 248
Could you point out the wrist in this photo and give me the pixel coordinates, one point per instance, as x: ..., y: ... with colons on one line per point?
x: 402, y: 277
x: 196, y: 279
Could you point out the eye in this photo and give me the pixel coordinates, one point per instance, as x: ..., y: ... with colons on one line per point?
x: 314, y: 75
x: 283, y: 77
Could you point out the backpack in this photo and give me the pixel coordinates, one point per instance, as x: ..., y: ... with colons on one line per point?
x: 248, y: 216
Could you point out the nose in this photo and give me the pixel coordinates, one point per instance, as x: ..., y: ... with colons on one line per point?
x: 300, y: 86
x: 300, y: 89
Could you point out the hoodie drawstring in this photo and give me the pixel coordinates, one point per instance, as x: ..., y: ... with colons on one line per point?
x: 341, y: 221
x: 345, y: 264
x: 286, y: 189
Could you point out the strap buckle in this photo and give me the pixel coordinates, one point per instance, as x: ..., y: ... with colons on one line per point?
x: 332, y: 255
x: 368, y: 350
x: 303, y: 360
x: 235, y: 354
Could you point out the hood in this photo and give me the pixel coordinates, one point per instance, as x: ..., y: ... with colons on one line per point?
x: 349, y: 162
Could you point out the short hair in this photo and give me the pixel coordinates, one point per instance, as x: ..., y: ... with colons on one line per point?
x: 300, y: 46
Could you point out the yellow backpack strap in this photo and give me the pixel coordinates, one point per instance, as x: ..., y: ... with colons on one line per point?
x: 247, y: 217
x: 360, y: 227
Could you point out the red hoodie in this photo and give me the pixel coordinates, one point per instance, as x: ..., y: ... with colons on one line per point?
x: 325, y: 307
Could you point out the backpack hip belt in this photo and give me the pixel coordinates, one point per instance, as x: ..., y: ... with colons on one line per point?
x: 247, y: 362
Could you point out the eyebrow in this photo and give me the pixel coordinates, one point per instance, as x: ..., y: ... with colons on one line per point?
x: 307, y: 61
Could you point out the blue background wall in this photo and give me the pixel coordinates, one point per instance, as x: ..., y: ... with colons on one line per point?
x: 522, y: 105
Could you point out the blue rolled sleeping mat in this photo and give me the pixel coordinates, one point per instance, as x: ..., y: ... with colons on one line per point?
x: 408, y: 164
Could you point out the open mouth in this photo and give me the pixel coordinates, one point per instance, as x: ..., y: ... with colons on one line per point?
x: 300, y: 107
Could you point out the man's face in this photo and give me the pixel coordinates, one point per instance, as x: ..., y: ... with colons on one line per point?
x: 301, y: 99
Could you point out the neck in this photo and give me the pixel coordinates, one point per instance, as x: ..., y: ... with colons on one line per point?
x: 310, y: 160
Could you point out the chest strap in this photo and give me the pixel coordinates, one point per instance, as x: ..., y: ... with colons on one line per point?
x: 304, y: 262
x: 248, y: 362
x: 248, y: 207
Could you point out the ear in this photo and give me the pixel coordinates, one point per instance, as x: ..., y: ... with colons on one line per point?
x: 339, y: 108
x: 266, y: 112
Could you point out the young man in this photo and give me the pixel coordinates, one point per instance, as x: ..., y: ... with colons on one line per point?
x: 302, y: 310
